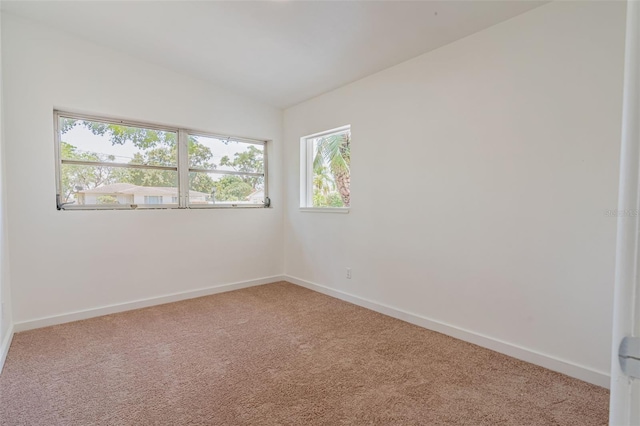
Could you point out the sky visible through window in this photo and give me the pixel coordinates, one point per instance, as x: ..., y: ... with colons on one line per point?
x: 84, y: 140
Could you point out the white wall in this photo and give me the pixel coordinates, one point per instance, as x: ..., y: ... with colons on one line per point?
x: 480, y: 176
x: 5, y: 289
x: 68, y: 261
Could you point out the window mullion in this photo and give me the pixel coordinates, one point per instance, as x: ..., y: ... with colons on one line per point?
x: 183, y: 168
x: 118, y: 165
x: 58, y: 156
x: 309, y: 173
x: 265, y: 169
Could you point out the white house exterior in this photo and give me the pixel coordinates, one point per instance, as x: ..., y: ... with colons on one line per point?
x: 127, y: 193
x: 256, y: 197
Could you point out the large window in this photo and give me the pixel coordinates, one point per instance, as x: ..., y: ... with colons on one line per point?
x: 325, y: 170
x: 104, y: 163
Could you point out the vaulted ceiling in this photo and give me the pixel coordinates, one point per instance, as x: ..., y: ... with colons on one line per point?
x: 280, y: 52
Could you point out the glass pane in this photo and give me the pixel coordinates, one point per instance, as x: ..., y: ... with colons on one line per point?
x: 91, y: 185
x: 212, y: 188
x: 331, y: 170
x: 222, y: 154
x: 103, y: 142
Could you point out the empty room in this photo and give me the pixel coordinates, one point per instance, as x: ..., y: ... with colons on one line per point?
x: 319, y: 212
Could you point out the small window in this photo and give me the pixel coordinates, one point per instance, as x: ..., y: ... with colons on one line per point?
x: 326, y: 170
x: 233, y: 175
x: 106, y: 163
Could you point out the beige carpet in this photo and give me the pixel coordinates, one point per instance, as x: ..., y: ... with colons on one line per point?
x: 275, y: 354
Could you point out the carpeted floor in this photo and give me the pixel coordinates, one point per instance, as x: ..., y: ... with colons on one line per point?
x: 275, y: 354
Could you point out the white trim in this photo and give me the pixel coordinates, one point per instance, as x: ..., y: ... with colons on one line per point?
x: 6, y: 344
x: 337, y: 130
x: 265, y: 165
x: 325, y: 209
x: 306, y: 184
x: 227, y: 138
x: 226, y: 205
x: 172, y: 206
x: 138, y: 304
x: 220, y: 172
x: 569, y: 368
x: 624, y: 408
x: 183, y: 163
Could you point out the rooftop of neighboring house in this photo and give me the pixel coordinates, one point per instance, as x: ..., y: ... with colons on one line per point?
x: 131, y: 189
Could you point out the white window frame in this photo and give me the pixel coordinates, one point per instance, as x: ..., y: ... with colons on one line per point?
x: 225, y: 172
x: 306, y: 171
x: 182, y: 167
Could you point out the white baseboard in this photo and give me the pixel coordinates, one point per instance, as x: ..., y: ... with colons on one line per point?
x: 137, y: 304
x: 6, y: 343
x: 571, y: 369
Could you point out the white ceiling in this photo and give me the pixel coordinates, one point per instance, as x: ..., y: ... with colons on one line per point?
x: 281, y: 52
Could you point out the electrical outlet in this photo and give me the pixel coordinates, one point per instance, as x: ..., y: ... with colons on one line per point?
x: 348, y: 273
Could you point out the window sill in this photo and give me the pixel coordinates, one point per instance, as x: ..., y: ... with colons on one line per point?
x: 324, y: 209
x: 161, y: 207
